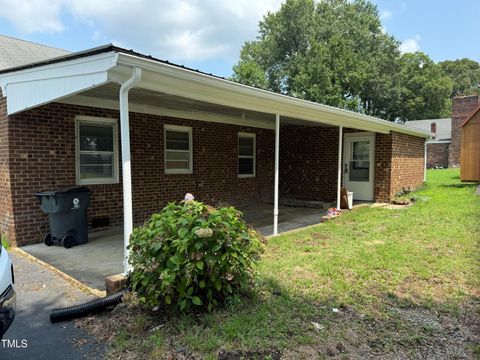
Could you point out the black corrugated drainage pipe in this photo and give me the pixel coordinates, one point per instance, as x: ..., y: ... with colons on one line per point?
x: 91, y: 307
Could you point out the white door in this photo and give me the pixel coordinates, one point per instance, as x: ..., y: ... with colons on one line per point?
x: 359, y: 164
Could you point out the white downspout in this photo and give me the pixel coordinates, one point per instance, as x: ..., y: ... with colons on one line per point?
x: 277, y: 165
x: 126, y: 167
x: 339, y: 178
x: 425, y: 162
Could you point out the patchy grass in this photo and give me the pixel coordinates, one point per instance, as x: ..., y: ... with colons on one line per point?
x: 373, y: 283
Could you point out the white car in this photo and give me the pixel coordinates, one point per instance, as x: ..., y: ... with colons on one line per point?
x: 7, y: 292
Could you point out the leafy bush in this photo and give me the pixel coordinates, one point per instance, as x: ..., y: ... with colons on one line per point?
x: 193, y: 254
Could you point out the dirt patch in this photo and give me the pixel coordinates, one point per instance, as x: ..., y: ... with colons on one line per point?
x: 406, y: 333
x: 271, y: 354
x: 315, y: 239
x: 398, y: 330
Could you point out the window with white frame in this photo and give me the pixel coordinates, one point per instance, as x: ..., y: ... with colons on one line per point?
x: 178, y: 149
x: 96, y: 150
x: 246, y: 155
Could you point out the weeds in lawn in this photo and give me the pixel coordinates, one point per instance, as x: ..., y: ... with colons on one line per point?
x: 405, y: 282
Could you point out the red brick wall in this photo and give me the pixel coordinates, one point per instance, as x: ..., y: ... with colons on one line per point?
x: 462, y: 106
x: 42, y: 156
x: 383, y: 167
x: 407, y: 162
x: 6, y: 209
x: 308, y: 162
x: 437, y: 155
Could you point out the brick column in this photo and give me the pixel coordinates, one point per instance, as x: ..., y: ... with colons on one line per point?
x: 462, y: 106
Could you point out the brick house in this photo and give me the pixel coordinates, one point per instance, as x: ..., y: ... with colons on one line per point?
x: 438, y: 146
x: 443, y: 149
x: 140, y: 132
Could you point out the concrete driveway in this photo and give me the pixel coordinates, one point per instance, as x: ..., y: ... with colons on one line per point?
x: 32, y: 336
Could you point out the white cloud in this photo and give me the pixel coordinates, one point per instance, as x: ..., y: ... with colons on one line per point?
x: 178, y: 30
x: 410, y: 45
x: 33, y: 16
x: 385, y: 15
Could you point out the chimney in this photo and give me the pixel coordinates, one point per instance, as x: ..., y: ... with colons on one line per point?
x: 462, y: 106
x: 433, y: 129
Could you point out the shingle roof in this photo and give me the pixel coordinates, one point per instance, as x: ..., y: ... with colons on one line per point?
x: 16, y: 52
x: 444, y: 127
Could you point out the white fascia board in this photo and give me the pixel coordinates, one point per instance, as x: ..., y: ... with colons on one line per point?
x: 190, y: 84
x: 36, y: 86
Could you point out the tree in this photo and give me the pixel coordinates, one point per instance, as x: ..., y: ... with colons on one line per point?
x: 333, y: 52
x: 465, y: 74
x: 424, y: 89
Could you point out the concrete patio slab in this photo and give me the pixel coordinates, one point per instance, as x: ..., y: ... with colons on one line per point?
x: 102, y: 256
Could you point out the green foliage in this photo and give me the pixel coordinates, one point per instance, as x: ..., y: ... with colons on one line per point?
x: 424, y: 90
x: 465, y: 74
x: 4, y: 240
x: 336, y: 52
x: 192, y: 254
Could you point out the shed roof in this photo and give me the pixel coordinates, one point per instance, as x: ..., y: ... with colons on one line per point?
x: 16, y: 52
x: 470, y: 116
x: 444, y: 127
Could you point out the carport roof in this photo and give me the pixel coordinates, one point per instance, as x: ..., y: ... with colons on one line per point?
x: 35, y: 84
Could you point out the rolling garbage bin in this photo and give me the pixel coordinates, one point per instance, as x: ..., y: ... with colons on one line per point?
x: 67, y: 215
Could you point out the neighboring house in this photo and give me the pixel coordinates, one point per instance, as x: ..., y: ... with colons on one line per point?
x: 470, y: 150
x: 443, y: 150
x: 140, y: 132
x: 16, y: 52
x: 438, y: 146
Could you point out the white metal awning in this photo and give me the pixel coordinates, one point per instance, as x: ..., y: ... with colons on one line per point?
x: 78, y: 73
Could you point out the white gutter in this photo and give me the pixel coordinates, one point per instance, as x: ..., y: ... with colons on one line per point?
x: 126, y: 167
x: 202, y: 87
x: 277, y: 166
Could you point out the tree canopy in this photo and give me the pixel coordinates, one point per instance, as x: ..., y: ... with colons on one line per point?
x: 465, y: 74
x: 336, y: 52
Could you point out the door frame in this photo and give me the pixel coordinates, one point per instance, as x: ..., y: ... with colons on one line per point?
x: 345, y: 153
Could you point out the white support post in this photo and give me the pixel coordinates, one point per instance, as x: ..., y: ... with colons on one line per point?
x: 425, y: 162
x: 126, y: 167
x: 339, y: 178
x: 277, y: 165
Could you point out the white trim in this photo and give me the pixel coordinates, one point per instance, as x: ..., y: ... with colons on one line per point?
x: 187, y: 129
x: 370, y: 136
x: 439, y: 142
x: 194, y: 85
x: 181, y: 114
x: 254, y: 156
x: 32, y: 87
x: 92, y: 120
x: 73, y: 76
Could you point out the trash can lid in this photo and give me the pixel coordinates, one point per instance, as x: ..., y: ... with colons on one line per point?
x: 65, y: 191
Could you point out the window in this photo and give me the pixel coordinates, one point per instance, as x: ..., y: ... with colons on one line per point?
x: 178, y: 149
x: 96, y: 150
x: 246, y: 155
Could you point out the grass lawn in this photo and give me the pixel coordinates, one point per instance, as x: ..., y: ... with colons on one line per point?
x: 374, y: 283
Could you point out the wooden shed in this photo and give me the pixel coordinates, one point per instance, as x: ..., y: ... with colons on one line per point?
x: 470, y: 149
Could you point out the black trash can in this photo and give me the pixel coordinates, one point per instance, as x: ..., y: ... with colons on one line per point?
x: 67, y: 215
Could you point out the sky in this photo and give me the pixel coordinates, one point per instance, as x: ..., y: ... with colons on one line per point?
x: 208, y: 34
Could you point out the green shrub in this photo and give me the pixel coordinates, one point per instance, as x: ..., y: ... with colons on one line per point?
x: 193, y: 254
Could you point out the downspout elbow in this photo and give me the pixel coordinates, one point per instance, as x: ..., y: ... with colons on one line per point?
x: 132, y: 81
